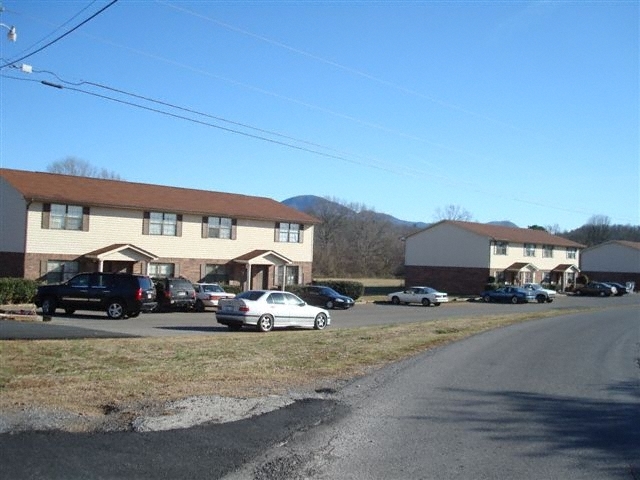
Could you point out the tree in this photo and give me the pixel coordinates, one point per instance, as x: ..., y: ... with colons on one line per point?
x: 453, y: 212
x: 597, y: 230
x: 80, y: 168
x: 537, y: 227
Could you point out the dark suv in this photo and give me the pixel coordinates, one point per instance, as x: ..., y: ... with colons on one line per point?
x: 119, y: 294
x: 175, y: 293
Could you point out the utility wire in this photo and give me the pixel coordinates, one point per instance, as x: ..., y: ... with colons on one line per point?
x: 60, y: 37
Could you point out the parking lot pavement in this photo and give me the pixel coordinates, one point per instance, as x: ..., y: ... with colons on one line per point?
x: 96, y: 324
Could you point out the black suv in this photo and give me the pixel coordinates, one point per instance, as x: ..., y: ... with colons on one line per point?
x: 175, y: 293
x: 119, y: 294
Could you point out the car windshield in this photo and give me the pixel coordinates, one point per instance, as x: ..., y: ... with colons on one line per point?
x: 251, y: 295
x: 211, y: 288
x: 329, y: 291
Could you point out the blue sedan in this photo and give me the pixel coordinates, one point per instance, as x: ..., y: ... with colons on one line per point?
x: 509, y: 294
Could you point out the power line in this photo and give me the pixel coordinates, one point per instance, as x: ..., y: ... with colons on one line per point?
x: 60, y: 37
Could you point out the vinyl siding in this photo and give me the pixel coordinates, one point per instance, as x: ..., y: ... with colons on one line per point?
x: 111, y: 226
x: 515, y: 254
x: 447, y: 245
x: 611, y: 257
x: 12, y: 219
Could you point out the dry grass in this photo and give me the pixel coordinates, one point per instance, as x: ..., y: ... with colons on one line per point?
x: 87, y: 376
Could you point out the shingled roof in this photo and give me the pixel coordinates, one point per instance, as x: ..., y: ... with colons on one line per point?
x: 510, y: 234
x: 86, y: 191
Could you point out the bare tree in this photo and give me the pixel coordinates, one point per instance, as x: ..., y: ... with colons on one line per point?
x: 80, y: 168
x: 453, y: 212
x: 597, y: 230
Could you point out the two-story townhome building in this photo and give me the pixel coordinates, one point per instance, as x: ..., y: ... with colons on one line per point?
x: 615, y: 261
x: 53, y: 226
x: 459, y: 257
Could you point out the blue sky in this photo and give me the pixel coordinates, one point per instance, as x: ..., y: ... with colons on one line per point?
x: 511, y: 110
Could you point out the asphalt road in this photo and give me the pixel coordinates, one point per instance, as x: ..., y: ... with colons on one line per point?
x: 553, y: 398
x: 550, y: 399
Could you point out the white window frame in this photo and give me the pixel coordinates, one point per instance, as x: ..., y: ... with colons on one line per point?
x: 158, y: 270
x: 61, y: 270
x: 65, y: 217
x: 289, y: 232
x: 547, y: 251
x: 529, y: 250
x: 501, y: 248
x: 293, y: 274
x: 163, y: 223
x: 219, y: 227
x: 572, y: 253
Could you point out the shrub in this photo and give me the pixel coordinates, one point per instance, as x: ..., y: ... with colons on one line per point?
x: 17, y: 290
x: 346, y: 287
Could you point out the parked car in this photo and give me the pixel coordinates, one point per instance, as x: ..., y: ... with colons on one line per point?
x: 620, y: 288
x: 175, y: 293
x: 208, y: 295
x: 599, y: 289
x: 542, y: 294
x: 327, y: 297
x: 423, y: 295
x: 118, y: 294
x: 268, y: 309
x: 509, y: 294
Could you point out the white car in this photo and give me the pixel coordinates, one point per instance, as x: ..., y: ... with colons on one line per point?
x: 208, y: 295
x: 542, y: 294
x: 423, y: 295
x: 268, y: 309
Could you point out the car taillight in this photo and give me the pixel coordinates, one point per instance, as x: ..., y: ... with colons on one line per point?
x: 244, y: 308
x: 139, y: 294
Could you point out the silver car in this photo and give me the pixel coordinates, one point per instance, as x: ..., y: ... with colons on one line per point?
x: 423, y: 295
x: 268, y: 309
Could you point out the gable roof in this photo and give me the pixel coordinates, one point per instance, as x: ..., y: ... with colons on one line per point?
x: 500, y: 233
x: 624, y: 243
x: 86, y: 191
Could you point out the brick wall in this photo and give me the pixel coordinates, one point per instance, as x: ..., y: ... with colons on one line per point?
x: 452, y: 280
x: 11, y: 264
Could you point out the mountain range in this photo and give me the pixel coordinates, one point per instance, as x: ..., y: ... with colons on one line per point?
x: 311, y: 203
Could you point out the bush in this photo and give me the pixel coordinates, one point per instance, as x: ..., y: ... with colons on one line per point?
x: 17, y: 290
x: 232, y: 288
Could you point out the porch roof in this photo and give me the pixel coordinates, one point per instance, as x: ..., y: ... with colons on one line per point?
x: 123, y: 248
x: 257, y: 257
x: 519, y: 266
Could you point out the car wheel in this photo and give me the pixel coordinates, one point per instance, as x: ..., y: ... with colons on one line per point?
x: 437, y: 304
x: 265, y: 323
x: 578, y: 292
x: 514, y: 300
x: 549, y: 300
x: 540, y: 299
x: 426, y: 302
x: 115, y: 309
x: 48, y: 306
x: 320, y: 322
x: 395, y: 301
x: 329, y: 304
x: 603, y: 294
x: 199, y: 306
x: 486, y: 299
x: 69, y: 311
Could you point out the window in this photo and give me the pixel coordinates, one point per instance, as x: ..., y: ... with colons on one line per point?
x: 529, y: 250
x: 65, y: 217
x: 289, y: 232
x: 161, y: 270
x: 547, y: 251
x: 215, y: 274
x: 500, y: 248
x: 60, y: 271
x: 219, y: 227
x: 292, y: 274
x: 572, y: 252
x: 163, y: 224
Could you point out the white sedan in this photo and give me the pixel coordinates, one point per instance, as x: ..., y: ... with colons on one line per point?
x: 542, y: 294
x: 208, y: 295
x: 423, y: 295
x: 268, y: 309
